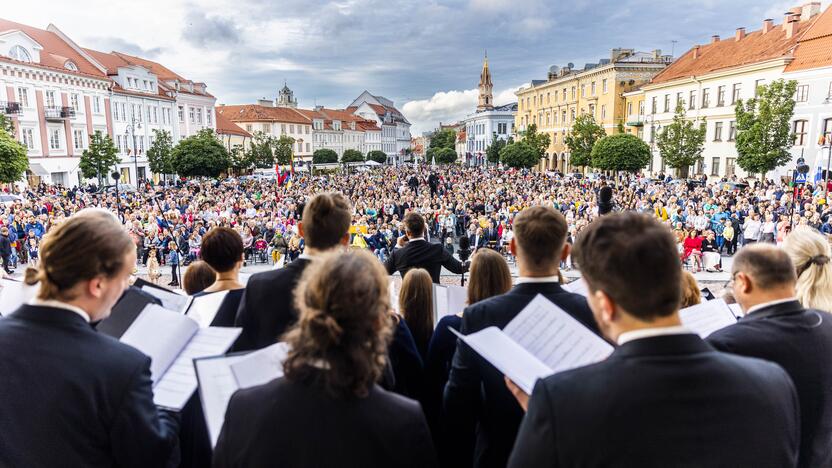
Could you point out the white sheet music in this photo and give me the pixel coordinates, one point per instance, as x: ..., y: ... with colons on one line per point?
x: 457, y: 299
x: 216, y: 385
x: 394, y: 296
x: 179, y: 382
x: 737, y: 310
x: 161, y: 334
x: 170, y: 300
x: 204, y: 308
x: 557, y: 339
x: 707, y: 317
x: 440, y: 302
x: 577, y: 286
x: 14, y: 294
x: 261, y: 366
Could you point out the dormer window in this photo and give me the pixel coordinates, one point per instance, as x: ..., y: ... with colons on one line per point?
x: 20, y: 54
x: 70, y: 65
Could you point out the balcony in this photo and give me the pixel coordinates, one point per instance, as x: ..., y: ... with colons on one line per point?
x: 635, y: 121
x: 58, y: 112
x: 10, y: 107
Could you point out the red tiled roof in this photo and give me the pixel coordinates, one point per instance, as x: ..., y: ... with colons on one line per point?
x: 257, y: 113
x: 227, y: 127
x: 755, y: 47
x: 815, y: 47
x: 55, y: 51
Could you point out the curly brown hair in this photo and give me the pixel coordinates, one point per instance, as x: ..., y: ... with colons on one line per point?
x: 340, y: 341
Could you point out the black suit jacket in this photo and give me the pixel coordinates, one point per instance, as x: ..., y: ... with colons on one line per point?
x: 800, y: 341
x: 70, y: 396
x: 290, y: 424
x: 477, y: 243
x: 663, y: 401
x: 422, y: 254
x: 476, y: 394
x: 267, y: 308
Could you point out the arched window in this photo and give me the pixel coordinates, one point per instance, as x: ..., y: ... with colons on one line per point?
x: 70, y: 65
x: 19, y: 53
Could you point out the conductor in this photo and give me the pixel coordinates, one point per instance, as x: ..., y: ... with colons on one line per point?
x: 413, y: 251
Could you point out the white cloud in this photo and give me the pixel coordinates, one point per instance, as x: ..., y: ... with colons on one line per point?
x: 447, y: 107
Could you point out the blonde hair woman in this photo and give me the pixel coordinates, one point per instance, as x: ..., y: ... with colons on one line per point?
x: 810, y: 252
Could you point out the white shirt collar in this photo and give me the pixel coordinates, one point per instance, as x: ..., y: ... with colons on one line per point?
x: 651, y: 332
x: 60, y: 305
x: 306, y: 256
x: 769, y: 304
x: 416, y: 239
x: 538, y: 279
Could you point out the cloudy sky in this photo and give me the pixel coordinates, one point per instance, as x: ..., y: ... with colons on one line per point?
x: 425, y: 55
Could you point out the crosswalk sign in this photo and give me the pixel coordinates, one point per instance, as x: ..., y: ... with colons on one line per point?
x: 799, y: 178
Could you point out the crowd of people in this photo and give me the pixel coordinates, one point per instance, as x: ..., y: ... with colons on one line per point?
x: 372, y: 379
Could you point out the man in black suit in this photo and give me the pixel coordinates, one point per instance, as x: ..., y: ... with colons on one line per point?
x: 413, y: 251
x: 413, y: 183
x: 476, y: 394
x: 71, y: 396
x: 477, y: 239
x: 433, y: 183
x: 664, y: 397
x: 778, y: 329
x: 267, y: 307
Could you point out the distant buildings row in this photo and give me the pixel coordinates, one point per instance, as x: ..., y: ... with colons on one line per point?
x: 641, y: 90
x: 58, y: 93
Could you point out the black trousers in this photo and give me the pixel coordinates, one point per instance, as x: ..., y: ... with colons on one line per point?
x: 174, y: 274
x: 7, y: 263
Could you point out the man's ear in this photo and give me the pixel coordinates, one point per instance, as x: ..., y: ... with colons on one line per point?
x: 746, y: 285
x: 300, y: 228
x: 346, y: 239
x: 567, y: 249
x: 512, y: 247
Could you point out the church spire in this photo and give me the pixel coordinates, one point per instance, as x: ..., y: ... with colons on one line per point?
x: 486, y: 99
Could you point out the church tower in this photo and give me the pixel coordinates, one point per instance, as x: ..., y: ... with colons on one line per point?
x: 486, y: 100
x: 286, y: 97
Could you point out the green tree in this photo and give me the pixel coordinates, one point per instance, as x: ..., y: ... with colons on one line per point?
x: 261, y: 150
x: 239, y: 160
x: 580, y: 140
x: 7, y: 125
x: 200, y: 155
x: 445, y: 156
x: 159, y: 153
x: 99, y: 158
x: 377, y: 156
x: 13, y: 160
x: 519, y: 155
x: 680, y: 143
x: 763, y: 127
x: 352, y: 155
x: 445, y: 138
x: 620, y: 152
x: 283, y: 150
x: 324, y: 156
x: 538, y: 142
x: 492, y: 153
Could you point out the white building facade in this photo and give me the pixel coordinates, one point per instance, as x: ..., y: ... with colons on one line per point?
x: 395, y: 128
x: 481, y: 127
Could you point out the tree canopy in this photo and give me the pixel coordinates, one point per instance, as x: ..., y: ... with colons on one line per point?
x: 538, y: 142
x: 99, y: 157
x: 377, y: 156
x: 159, y: 153
x: 492, y: 153
x: 13, y: 160
x: 352, y: 155
x: 519, y: 155
x: 763, y: 127
x: 200, y: 155
x: 445, y: 156
x: 445, y: 138
x: 324, y: 156
x: 620, y: 152
x: 261, y: 151
x: 580, y: 140
x: 283, y: 150
x: 681, y: 142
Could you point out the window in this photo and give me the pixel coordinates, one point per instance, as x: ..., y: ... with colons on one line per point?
x: 20, y: 54
x: 653, y: 105
x: 139, y: 144
x: 735, y: 93
x: 123, y: 110
x: 129, y: 82
x: 715, y: 166
x: 28, y: 138
x: 802, y: 93
x: 592, y: 88
x: 307, y: 148
x: 572, y: 115
x: 199, y: 115
x: 717, y: 131
x: 50, y: 98
x: 208, y: 117
x: 23, y: 97
x: 119, y: 143
x: 191, y: 115
x: 757, y: 84
x: 54, y: 138
x: 307, y: 129
x: 563, y: 117
x: 282, y: 129
x: 116, y: 115
x: 78, y: 138
x: 70, y: 65
x: 730, y: 166
x: 629, y: 108
x: 149, y: 119
x: 827, y: 131
x: 604, y: 86
x: 692, y: 100
x: 732, y: 130
x: 829, y: 91
x: 548, y: 97
x: 265, y: 127
x: 603, y: 111
x: 667, y: 103
x: 501, y: 128
x: 564, y: 93
x: 291, y: 128
x: 706, y: 98
x: 181, y: 114
x: 572, y: 93
x: 96, y: 104
x: 799, y: 130
x: 679, y: 100
x: 248, y: 128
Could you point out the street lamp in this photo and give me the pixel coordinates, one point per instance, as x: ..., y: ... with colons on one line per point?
x: 801, y: 168
x: 131, y: 130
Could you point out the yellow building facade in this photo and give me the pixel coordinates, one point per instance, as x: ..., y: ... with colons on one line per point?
x: 597, y: 89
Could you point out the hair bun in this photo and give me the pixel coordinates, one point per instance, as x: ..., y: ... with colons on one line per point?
x: 324, y: 326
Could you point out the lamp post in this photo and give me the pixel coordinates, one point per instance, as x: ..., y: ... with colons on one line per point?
x: 801, y: 168
x: 828, y: 140
x: 131, y: 131
x: 116, y: 176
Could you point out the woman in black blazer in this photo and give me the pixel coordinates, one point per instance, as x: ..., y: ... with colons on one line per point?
x: 327, y: 409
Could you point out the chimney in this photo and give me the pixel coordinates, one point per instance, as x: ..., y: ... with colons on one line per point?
x: 791, y: 26
x: 768, y: 25
x: 740, y: 34
x: 696, y: 52
x: 657, y: 54
x: 809, y: 10
x: 714, y: 38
